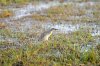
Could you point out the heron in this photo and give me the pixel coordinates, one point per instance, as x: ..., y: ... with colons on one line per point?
x: 45, y: 35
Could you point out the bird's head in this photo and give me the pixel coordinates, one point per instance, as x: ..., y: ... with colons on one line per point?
x: 54, y: 29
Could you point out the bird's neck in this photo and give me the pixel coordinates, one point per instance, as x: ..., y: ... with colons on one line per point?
x: 51, y: 32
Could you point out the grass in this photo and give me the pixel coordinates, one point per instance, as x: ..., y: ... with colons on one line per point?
x: 69, y: 12
x: 2, y: 25
x: 5, y: 32
x: 8, y: 2
x: 60, y: 50
x: 6, y: 13
x: 39, y: 17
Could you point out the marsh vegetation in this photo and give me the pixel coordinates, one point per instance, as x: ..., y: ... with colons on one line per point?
x: 75, y: 43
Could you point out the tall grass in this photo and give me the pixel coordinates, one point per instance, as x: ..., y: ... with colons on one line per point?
x: 7, y: 2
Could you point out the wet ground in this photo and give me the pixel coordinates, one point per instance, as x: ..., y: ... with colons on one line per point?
x: 21, y: 21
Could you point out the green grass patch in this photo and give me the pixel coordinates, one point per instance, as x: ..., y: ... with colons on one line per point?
x: 58, y: 51
x: 6, y: 32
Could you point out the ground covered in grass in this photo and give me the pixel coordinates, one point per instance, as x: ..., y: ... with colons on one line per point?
x: 60, y: 50
x: 73, y: 12
x: 76, y: 43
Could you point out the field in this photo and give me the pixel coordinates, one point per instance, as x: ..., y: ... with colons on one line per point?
x: 75, y: 43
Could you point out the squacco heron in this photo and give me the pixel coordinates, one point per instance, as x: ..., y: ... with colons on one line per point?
x: 45, y: 35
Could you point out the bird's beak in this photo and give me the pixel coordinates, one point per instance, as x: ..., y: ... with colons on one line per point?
x: 56, y: 29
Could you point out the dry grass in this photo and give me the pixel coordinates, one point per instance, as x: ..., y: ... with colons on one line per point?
x: 6, y: 13
x: 2, y: 25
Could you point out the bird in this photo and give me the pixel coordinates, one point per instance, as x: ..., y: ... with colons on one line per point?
x: 45, y: 35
